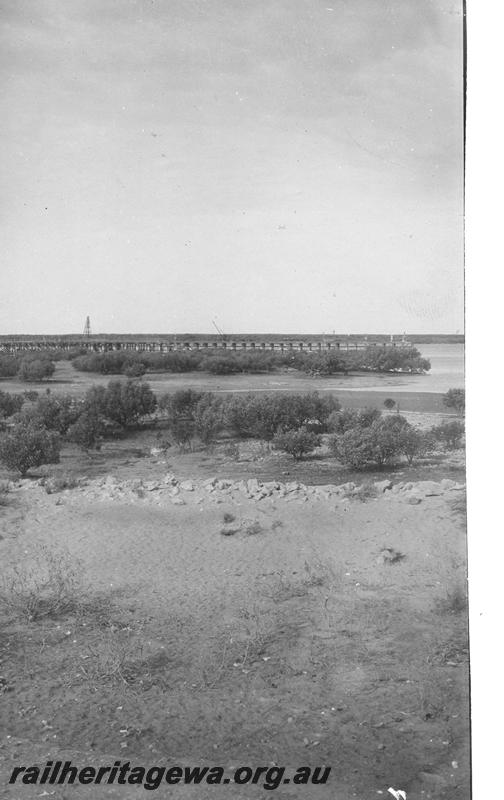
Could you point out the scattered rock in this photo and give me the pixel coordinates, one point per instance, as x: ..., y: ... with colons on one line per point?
x: 223, y: 484
x: 152, y: 486
x: 178, y: 501
x: 390, y: 556
x: 428, y: 488
x: 346, y: 488
x: 229, y: 530
x: 110, y: 488
x: 382, y: 486
x: 251, y: 527
x: 432, y: 779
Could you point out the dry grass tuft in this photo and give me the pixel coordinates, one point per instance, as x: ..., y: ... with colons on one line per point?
x: 455, y: 601
x: 50, y: 586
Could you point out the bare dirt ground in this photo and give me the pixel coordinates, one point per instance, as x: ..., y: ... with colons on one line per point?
x: 234, y: 623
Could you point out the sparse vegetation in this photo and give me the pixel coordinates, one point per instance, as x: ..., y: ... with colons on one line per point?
x: 4, y: 492
x: 284, y: 620
x: 49, y: 586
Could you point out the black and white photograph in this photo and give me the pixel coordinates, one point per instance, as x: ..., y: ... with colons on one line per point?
x: 233, y: 547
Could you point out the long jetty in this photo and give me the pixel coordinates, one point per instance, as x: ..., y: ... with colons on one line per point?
x: 166, y: 343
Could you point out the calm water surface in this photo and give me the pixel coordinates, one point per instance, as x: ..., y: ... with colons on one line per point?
x: 447, y: 371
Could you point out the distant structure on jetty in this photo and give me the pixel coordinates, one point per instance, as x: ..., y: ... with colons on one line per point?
x: 166, y: 343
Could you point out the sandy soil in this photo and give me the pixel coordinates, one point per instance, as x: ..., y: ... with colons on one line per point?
x: 285, y: 635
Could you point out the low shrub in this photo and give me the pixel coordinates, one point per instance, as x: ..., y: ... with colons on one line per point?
x: 252, y: 527
x: 379, y: 443
x: 347, y: 419
x: 262, y: 416
x: 298, y: 443
x: 225, y: 365
x: 53, y: 412
x: 36, y: 369
x: 234, y: 362
x: 50, y: 587
x: 227, y: 362
x: 181, y: 403
x: 124, y: 403
x: 26, y: 446
x: 415, y: 444
x: 455, y: 398
x: 449, y: 434
x: 116, y: 362
x: 134, y: 370
x: 321, y: 363
x: 354, y: 448
x: 193, y: 414
x: 10, y: 404
x: 87, y: 431
x: 9, y: 366
x: 387, y: 359
x: 208, y: 419
x: 104, y: 363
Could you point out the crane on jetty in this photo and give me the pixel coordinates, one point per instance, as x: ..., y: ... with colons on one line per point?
x: 219, y: 331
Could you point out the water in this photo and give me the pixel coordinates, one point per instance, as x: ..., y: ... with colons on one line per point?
x: 447, y: 371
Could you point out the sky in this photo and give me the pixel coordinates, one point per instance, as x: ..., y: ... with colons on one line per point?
x: 283, y: 166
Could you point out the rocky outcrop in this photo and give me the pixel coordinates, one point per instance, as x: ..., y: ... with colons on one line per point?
x: 170, y: 490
